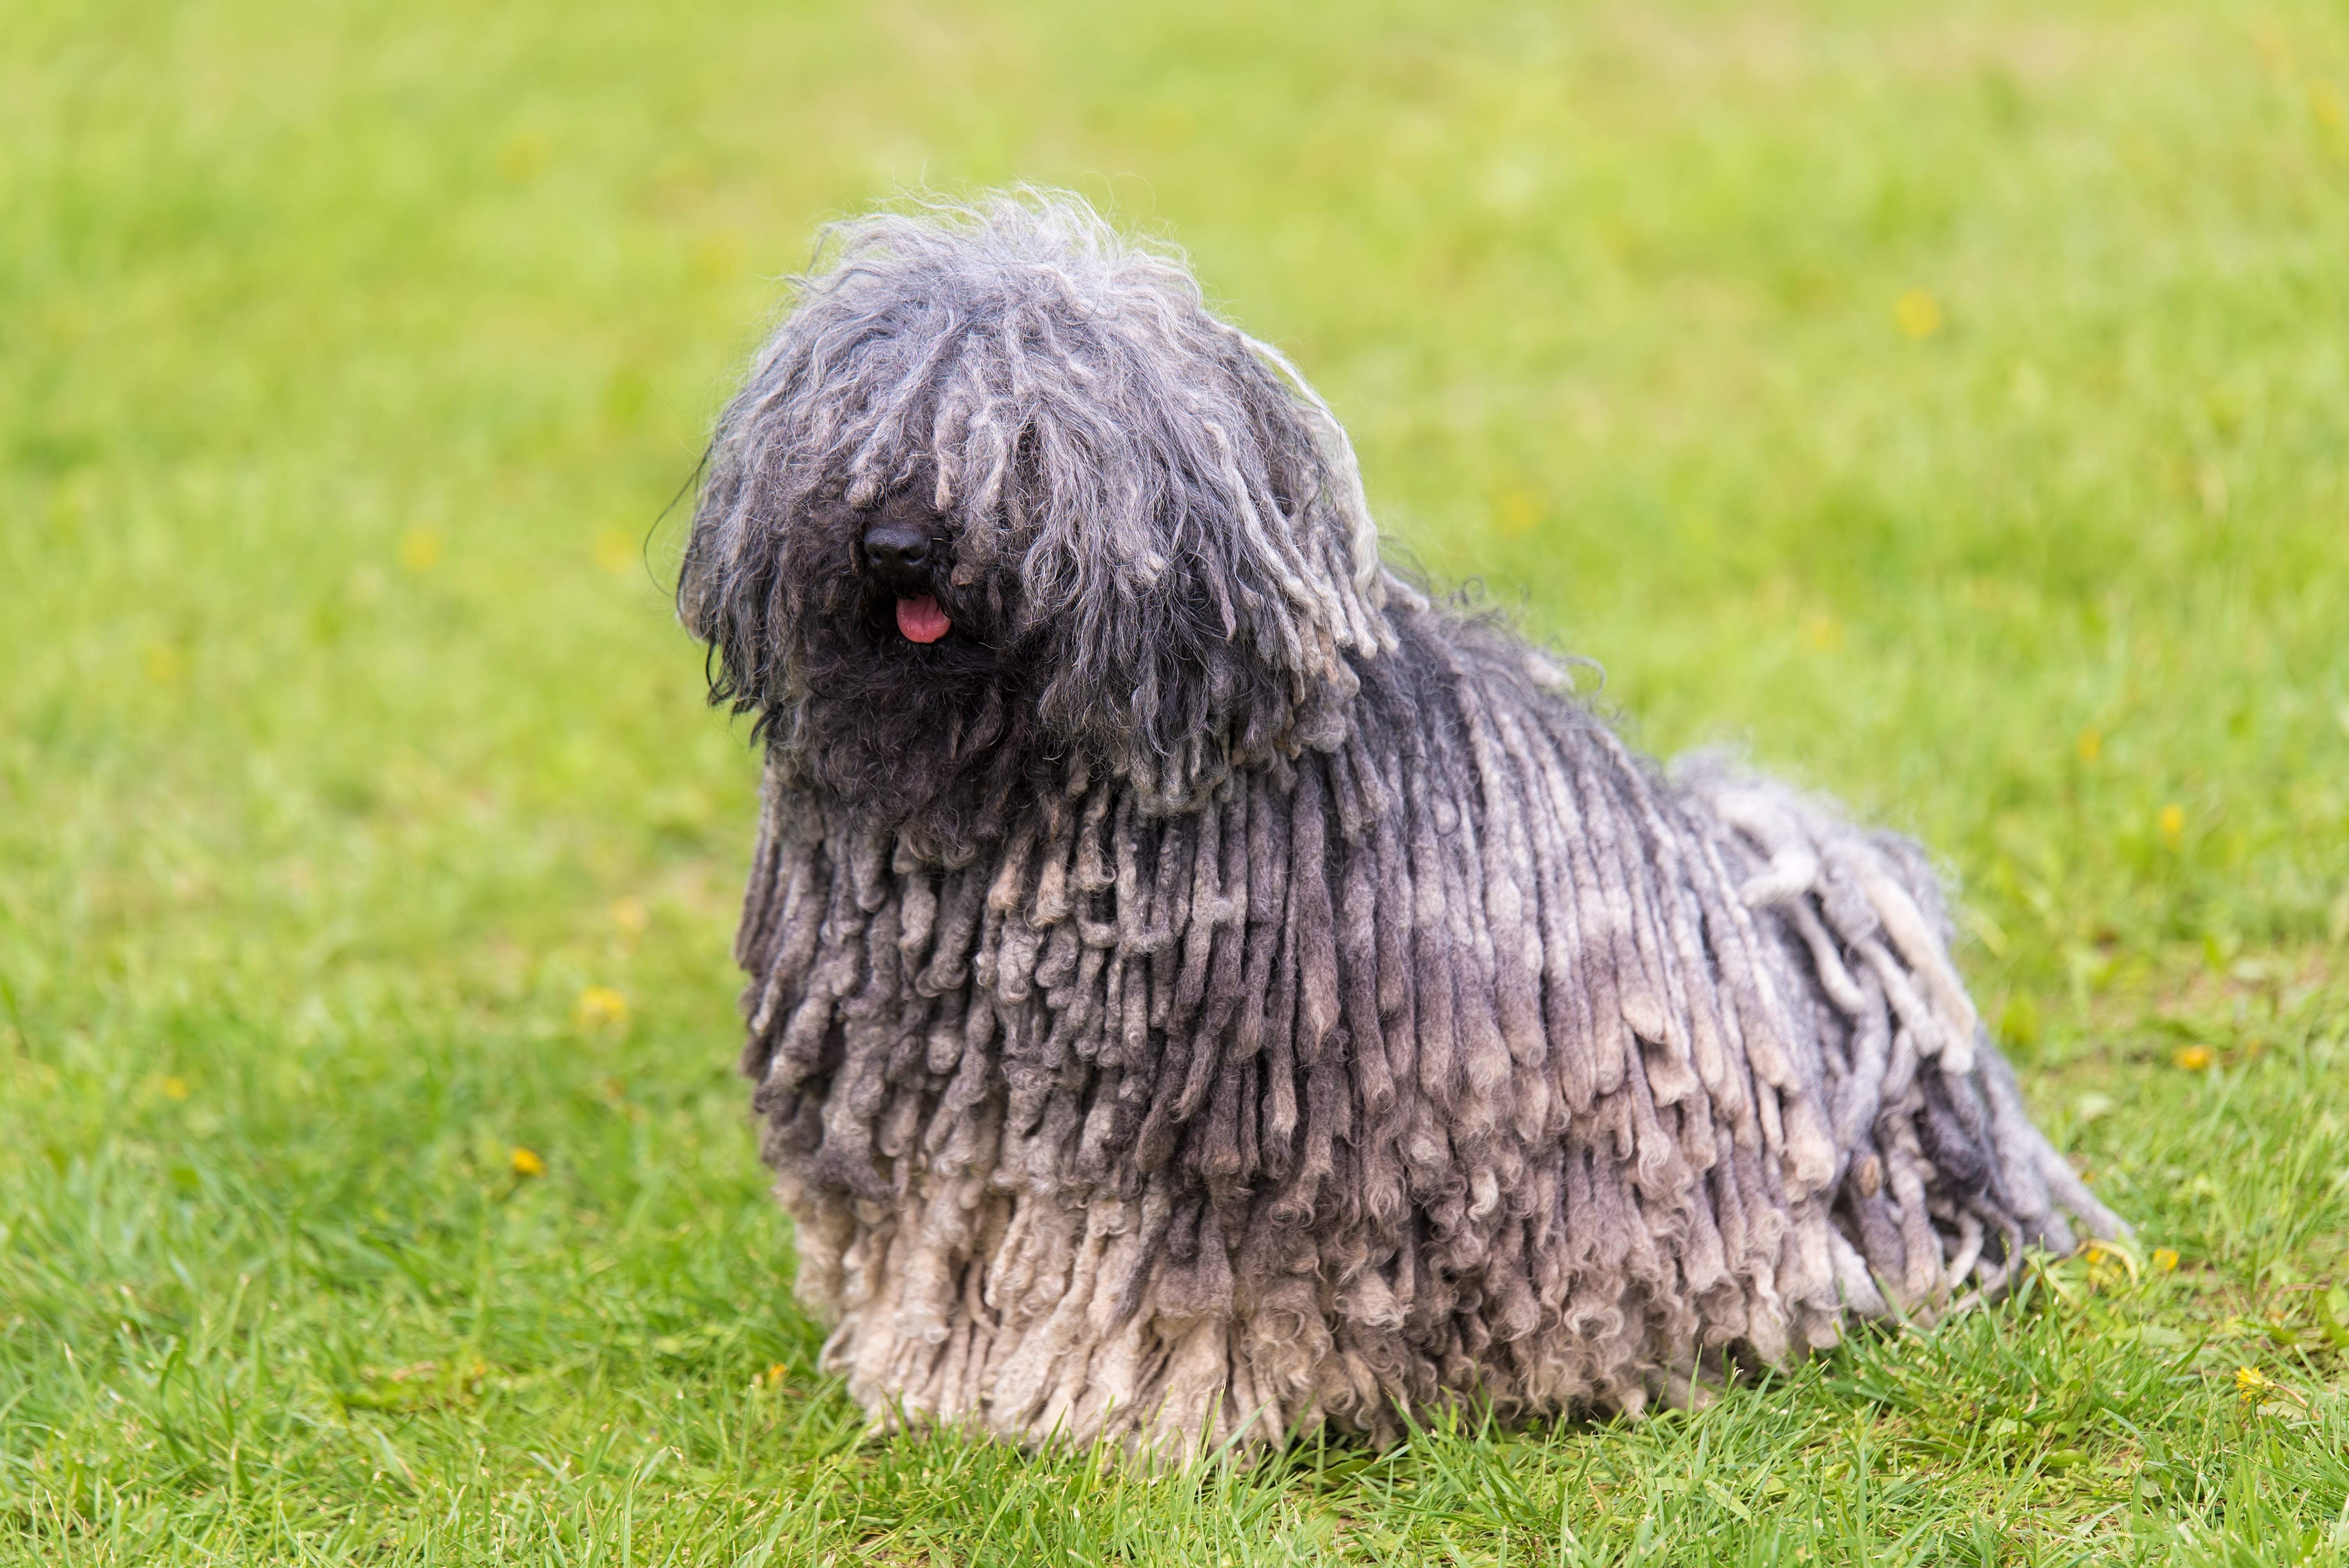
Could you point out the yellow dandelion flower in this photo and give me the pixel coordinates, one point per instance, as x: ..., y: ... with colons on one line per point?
x: 630, y: 914
x: 420, y: 549
x: 526, y: 1163
x: 2106, y: 1262
x: 599, y: 1007
x: 162, y: 663
x: 720, y: 254
x: 614, y: 552
x: 2193, y: 1058
x: 1918, y: 315
x: 1518, y: 509
x: 523, y: 156
x: 2172, y: 823
x: 175, y: 1089
x: 2091, y: 744
x: 2251, y: 1379
x: 2165, y: 1259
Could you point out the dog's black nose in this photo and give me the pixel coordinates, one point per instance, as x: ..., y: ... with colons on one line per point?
x: 899, y: 548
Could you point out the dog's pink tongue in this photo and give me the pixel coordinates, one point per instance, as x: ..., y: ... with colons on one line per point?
x: 921, y: 619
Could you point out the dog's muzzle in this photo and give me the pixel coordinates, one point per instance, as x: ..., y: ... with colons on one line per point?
x: 900, y: 555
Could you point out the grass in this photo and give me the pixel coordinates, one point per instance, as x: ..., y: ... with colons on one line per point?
x: 1944, y: 405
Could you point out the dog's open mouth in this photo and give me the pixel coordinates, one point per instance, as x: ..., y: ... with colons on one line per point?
x: 921, y: 619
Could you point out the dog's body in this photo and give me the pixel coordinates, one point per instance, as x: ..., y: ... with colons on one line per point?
x: 1200, y: 987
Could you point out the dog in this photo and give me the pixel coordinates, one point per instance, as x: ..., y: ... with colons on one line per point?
x: 1201, y: 987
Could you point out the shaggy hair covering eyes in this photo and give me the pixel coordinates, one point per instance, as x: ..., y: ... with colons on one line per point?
x: 1209, y: 990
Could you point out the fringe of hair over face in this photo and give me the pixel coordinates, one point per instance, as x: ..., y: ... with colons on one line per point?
x: 1211, y: 991
x: 1152, y: 546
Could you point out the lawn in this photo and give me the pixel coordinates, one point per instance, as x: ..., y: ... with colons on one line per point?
x: 1947, y: 406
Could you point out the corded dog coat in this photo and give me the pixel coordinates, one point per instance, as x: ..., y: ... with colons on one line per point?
x: 1200, y: 987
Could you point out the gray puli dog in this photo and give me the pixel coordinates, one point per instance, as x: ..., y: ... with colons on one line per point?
x: 1202, y: 990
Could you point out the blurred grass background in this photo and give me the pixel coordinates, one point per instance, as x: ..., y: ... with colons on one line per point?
x: 1945, y: 406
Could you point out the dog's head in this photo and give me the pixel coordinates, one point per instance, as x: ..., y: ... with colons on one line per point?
x: 1004, y: 506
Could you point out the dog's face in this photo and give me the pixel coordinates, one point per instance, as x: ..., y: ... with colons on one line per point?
x: 892, y: 680
x: 907, y: 550
x: 1003, y: 507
